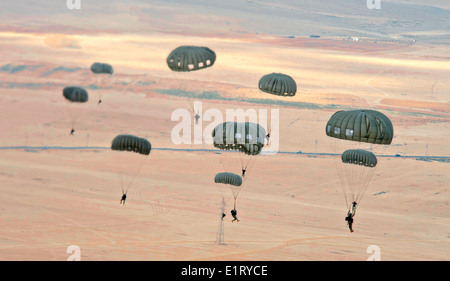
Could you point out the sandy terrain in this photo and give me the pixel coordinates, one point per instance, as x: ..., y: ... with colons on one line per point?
x: 291, y: 206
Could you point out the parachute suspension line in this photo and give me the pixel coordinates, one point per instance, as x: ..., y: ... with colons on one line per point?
x: 251, y: 163
x: 236, y: 190
x: 339, y: 169
x: 233, y: 159
x: 370, y: 172
x: 243, y: 162
x: 226, y: 160
x: 221, y: 160
x: 368, y: 177
x: 356, y: 180
x: 121, y: 183
x: 225, y: 200
x: 223, y: 165
x: 235, y: 193
x: 238, y: 161
x: 358, y: 176
x: 127, y: 184
x: 363, y: 181
x: 347, y: 171
x: 351, y: 177
x: 362, y: 187
x: 71, y: 113
x: 99, y: 85
x: 341, y: 175
x: 121, y: 177
x: 100, y: 79
x: 135, y: 175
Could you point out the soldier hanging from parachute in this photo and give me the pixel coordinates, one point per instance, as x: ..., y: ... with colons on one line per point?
x: 242, y: 142
x: 75, y: 96
x: 136, y: 150
x: 358, y: 129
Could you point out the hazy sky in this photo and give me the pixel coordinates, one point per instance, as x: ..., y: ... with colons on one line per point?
x: 33, y: 33
x: 429, y: 20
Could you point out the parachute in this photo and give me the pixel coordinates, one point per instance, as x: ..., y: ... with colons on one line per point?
x: 368, y: 126
x: 278, y: 84
x: 131, y: 143
x: 244, y: 141
x: 75, y: 96
x: 357, y: 133
x: 190, y: 58
x: 101, y: 68
x: 228, y: 178
x: 130, y: 153
x: 359, y: 157
x: 358, y: 168
x: 234, y: 181
x: 247, y: 137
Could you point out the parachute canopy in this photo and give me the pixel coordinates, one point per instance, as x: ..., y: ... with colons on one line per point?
x: 355, y: 172
x: 368, y: 126
x: 75, y: 94
x: 190, y: 58
x: 228, y: 178
x: 244, y: 137
x: 278, y: 84
x: 359, y: 157
x: 101, y: 68
x: 131, y: 143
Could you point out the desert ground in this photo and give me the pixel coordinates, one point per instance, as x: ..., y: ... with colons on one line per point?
x: 59, y: 190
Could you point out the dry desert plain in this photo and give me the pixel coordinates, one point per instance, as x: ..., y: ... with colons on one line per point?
x: 291, y: 207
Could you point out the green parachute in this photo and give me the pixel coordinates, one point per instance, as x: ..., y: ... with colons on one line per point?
x: 368, y: 126
x: 131, y: 143
x: 101, y: 68
x: 75, y: 94
x: 241, y: 143
x: 130, y: 153
x: 359, y: 157
x: 102, y: 71
x: 190, y: 58
x: 357, y: 133
x: 358, y: 168
x: 278, y: 84
x: 76, y: 98
x: 245, y: 137
x: 228, y: 178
